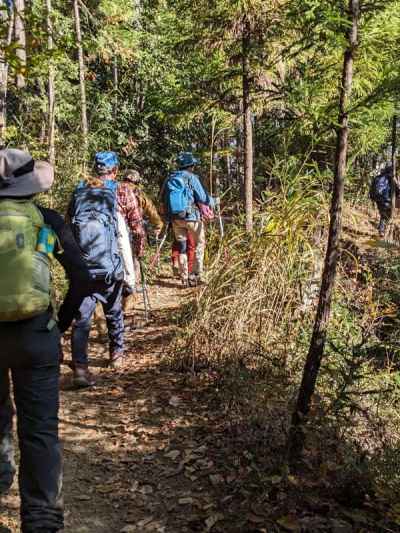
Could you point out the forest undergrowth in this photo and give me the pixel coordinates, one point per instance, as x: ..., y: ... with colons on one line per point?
x: 250, y: 328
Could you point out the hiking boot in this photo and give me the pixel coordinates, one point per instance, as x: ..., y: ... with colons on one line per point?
x: 192, y: 280
x: 83, y: 377
x: 117, y: 359
x: 185, y: 283
x: 195, y: 280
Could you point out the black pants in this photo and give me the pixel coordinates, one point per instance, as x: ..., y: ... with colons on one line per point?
x: 385, y: 211
x: 29, y: 354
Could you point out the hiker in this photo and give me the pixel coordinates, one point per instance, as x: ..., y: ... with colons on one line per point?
x: 149, y: 211
x: 93, y: 214
x: 381, y: 194
x: 30, y: 338
x: 184, y: 199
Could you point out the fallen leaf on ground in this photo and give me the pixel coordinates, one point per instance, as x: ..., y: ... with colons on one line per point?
x: 216, y: 479
x: 212, y: 520
x: 185, y: 501
x: 174, y: 401
x: 173, y: 454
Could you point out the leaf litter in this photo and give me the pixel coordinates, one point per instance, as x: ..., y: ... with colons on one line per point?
x: 145, y: 452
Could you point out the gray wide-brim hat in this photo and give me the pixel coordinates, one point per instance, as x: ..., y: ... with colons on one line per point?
x: 21, y: 175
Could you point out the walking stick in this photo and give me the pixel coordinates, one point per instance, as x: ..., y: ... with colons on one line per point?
x: 220, y: 221
x: 146, y: 300
x: 156, y: 257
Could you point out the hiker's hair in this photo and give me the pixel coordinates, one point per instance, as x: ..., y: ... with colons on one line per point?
x: 95, y: 181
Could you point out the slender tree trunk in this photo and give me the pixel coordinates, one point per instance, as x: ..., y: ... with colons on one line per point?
x: 5, y: 16
x: 394, y: 163
x: 20, y: 37
x: 247, y: 126
x: 228, y: 162
x: 115, y: 84
x: 317, y: 345
x: 51, y: 88
x: 239, y: 160
x: 84, y: 121
x: 213, y: 124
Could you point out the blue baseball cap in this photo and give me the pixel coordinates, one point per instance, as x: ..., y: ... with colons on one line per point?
x: 186, y: 159
x: 106, y: 161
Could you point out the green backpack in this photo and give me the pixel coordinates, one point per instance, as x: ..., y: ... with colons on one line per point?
x: 25, y: 283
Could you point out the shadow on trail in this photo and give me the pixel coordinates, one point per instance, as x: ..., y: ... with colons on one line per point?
x: 141, y: 446
x: 170, y: 284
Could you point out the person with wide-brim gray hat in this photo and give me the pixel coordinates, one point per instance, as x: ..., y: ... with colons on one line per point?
x: 30, y: 338
x: 22, y: 176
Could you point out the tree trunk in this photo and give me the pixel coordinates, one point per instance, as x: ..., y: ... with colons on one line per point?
x: 84, y: 121
x: 211, y: 176
x: 228, y: 162
x: 137, y: 14
x: 20, y: 37
x: 247, y: 126
x: 394, y: 181
x: 115, y: 84
x: 5, y: 16
x: 317, y: 345
x: 51, y: 88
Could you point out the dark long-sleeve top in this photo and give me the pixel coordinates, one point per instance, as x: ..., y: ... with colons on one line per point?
x: 69, y: 254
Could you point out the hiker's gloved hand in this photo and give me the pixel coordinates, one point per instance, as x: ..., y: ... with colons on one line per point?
x: 157, y: 234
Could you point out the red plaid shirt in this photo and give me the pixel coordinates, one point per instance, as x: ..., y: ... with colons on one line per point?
x: 129, y: 206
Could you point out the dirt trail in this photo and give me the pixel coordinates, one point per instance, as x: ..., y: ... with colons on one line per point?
x: 128, y: 442
x: 149, y: 449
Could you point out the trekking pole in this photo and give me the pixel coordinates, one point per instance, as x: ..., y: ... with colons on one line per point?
x: 156, y: 257
x: 146, y: 300
x: 220, y: 221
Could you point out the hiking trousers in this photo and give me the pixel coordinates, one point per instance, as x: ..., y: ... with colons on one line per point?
x: 30, y: 357
x: 110, y: 297
x: 190, y: 251
x: 385, y: 212
x: 182, y: 229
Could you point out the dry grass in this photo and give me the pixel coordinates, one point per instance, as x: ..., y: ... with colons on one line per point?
x: 257, y: 287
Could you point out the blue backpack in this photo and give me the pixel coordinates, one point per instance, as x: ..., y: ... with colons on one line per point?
x: 380, y: 190
x: 94, y: 223
x: 178, y: 195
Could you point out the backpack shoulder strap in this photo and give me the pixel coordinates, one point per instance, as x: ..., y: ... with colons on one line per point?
x: 187, y: 176
x: 40, y: 214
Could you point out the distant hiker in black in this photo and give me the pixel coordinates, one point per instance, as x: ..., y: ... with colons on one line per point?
x: 381, y: 194
x: 30, y: 337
